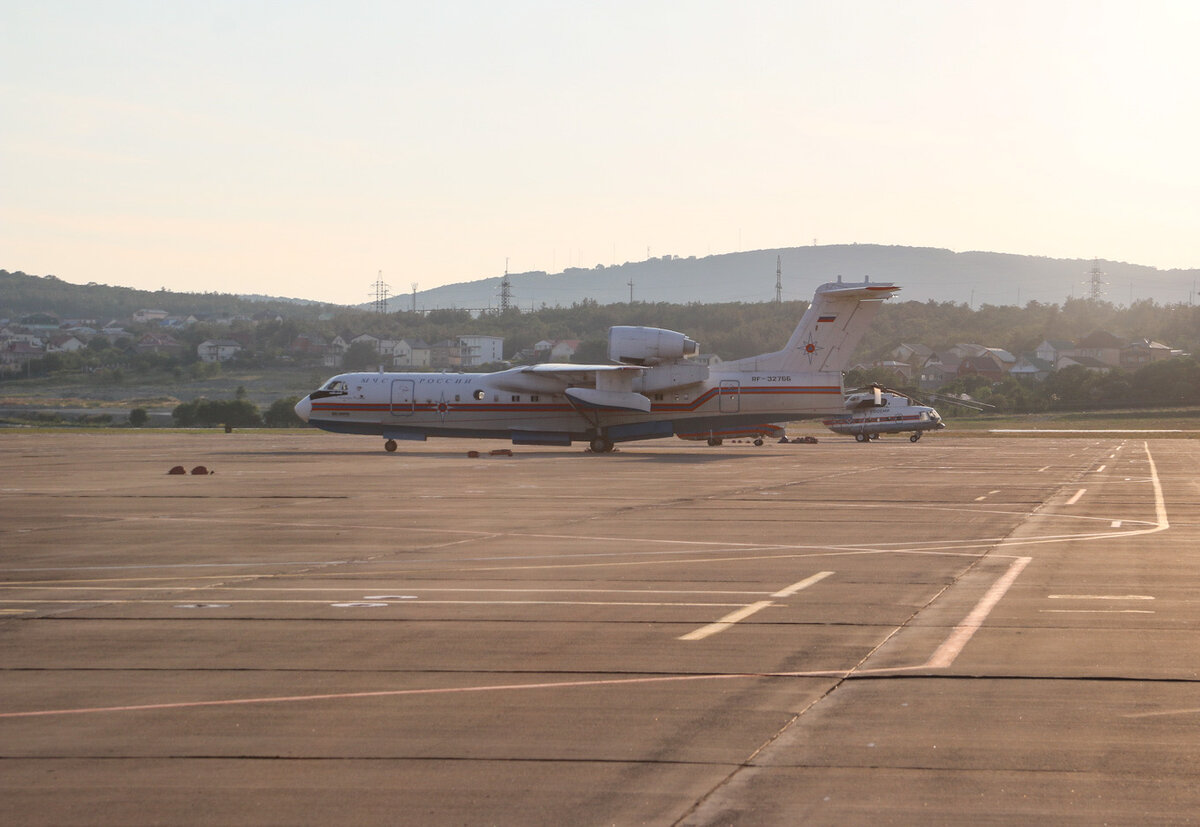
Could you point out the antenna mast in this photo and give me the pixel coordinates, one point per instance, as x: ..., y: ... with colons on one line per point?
x: 381, y: 294
x: 505, y: 290
x: 1095, y: 281
x: 778, y: 279
x: 414, y: 297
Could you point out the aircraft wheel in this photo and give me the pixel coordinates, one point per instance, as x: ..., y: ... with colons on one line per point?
x: 758, y: 442
x: 713, y: 441
x: 389, y: 446
x: 861, y: 437
x: 915, y: 437
x: 600, y: 445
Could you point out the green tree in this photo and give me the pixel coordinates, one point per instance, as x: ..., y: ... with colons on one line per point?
x: 138, y: 417
x: 282, y: 414
x: 360, y: 356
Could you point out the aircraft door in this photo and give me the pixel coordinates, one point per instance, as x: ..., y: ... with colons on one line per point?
x: 402, y: 397
x: 730, y: 396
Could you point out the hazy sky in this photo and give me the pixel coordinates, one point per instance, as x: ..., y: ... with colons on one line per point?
x: 297, y: 148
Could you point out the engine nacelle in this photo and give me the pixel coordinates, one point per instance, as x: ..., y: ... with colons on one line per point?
x: 648, y: 345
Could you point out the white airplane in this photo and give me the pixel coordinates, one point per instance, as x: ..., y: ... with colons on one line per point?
x: 878, y: 411
x: 654, y: 390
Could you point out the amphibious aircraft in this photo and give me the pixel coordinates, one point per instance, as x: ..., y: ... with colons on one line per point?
x: 877, y: 410
x: 653, y: 389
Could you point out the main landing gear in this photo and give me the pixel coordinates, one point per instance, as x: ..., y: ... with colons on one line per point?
x: 916, y: 435
x: 600, y: 445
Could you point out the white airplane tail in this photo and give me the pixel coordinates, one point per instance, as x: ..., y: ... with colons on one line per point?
x: 829, y: 331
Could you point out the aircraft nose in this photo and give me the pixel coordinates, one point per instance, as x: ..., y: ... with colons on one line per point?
x: 304, y: 408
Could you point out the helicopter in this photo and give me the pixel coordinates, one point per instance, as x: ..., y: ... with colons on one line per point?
x: 877, y: 410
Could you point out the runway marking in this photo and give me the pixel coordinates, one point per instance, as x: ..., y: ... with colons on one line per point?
x: 803, y: 584
x: 1163, y: 713
x: 950, y: 649
x: 1075, y: 497
x: 727, y: 621
x: 1097, y: 611
x: 361, y: 604
x: 1116, y: 524
x: 1100, y: 597
x: 1043, y: 468
x: 1101, y: 468
x: 392, y: 693
x: 746, y: 611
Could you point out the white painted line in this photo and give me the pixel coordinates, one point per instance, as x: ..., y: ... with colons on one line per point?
x: 1100, y: 597
x: 1075, y: 497
x: 803, y: 584
x: 963, y: 632
x: 1097, y: 611
x: 977, y: 499
x: 997, y: 491
x: 1116, y: 523
x: 1043, y: 468
x: 727, y: 621
x: 1101, y: 468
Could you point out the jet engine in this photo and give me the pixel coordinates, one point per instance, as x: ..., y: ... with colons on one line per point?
x: 648, y: 345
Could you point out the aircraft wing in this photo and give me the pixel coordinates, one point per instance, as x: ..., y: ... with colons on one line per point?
x: 575, y: 372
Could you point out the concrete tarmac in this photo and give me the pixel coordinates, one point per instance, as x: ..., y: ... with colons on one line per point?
x: 961, y: 630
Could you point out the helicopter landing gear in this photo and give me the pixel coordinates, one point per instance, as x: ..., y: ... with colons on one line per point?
x: 714, y: 441
x: 861, y: 437
x: 600, y: 445
x: 389, y: 446
x: 916, y: 435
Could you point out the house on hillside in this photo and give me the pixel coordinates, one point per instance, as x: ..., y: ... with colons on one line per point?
x: 1089, y: 362
x: 1141, y: 352
x: 445, y: 355
x: 158, y: 343
x: 1031, y: 367
x: 1050, y: 349
x: 145, y: 316
x: 218, y: 350
x: 411, y: 353
x: 1101, y: 346
x: 556, y: 350
x: 481, y: 350
x: 64, y: 343
x: 985, y: 365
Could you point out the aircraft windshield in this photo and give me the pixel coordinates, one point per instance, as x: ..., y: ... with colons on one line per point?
x: 334, y: 387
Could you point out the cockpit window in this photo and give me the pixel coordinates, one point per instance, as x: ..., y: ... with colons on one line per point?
x: 334, y: 387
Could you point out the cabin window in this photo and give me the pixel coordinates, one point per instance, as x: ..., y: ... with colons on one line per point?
x: 533, y: 399
x: 516, y: 398
x: 456, y: 398
x: 479, y: 394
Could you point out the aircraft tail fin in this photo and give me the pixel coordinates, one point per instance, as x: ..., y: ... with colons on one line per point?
x: 830, y: 329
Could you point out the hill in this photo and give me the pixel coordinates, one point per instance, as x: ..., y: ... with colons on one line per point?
x: 926, y: 274
x: 21, y: 294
